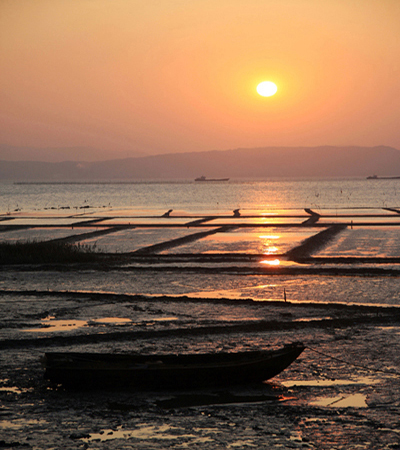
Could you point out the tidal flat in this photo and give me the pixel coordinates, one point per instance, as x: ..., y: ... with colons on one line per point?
x: 343, y: 392
x: 155, y: 289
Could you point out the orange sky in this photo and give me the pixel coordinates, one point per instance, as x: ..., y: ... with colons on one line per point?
x: 162, y: 76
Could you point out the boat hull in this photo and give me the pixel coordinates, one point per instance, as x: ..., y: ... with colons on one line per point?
x: 204, y: 179
x: 100, y: 370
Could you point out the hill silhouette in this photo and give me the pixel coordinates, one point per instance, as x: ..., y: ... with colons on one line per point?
x: 267, y: 162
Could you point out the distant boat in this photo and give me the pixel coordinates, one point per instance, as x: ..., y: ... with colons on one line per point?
x: 375, y: 177
x: 113, y: 370
x: 203, y: 178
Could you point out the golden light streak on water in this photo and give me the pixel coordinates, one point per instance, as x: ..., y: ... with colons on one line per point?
x: 271, y: 262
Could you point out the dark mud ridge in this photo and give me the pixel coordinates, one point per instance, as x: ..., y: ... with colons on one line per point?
x: 281, y: 316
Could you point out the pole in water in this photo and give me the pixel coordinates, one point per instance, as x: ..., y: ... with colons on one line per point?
x: 284, y: 294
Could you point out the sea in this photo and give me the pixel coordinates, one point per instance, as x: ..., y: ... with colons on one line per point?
x: 190, y: 196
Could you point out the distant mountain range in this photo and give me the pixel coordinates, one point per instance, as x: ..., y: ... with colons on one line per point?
x: 60, y: 154
x: 267, y: 162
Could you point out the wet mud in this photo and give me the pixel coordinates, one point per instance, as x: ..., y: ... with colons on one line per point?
x: 351, y: 356
x: 343, y: 392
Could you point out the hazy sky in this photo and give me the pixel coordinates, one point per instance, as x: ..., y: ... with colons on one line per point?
x: 181, y: 75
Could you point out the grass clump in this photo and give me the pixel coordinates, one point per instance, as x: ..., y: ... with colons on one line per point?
x: 45, y: 252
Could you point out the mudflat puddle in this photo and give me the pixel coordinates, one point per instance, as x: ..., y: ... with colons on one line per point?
x: 324, y: 383
x: 342, y: 401
x: 339, y: 399
x: 142, y: 432
x: 52, y: 325
x: 20, y: 423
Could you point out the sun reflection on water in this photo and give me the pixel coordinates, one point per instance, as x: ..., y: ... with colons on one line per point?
x: 271, y: 262
x: 267, y: 243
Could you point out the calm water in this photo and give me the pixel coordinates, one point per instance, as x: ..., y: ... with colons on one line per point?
x: 192, y: 197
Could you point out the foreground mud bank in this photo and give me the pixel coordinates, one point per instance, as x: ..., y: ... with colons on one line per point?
x: 342, y: 393
x: 291, y: 412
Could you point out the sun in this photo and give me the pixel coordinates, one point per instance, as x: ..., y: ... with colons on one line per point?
x: 267, y: 88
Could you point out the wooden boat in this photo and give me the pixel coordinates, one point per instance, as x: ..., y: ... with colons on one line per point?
x: 111, y: 370
x: 203, y: 178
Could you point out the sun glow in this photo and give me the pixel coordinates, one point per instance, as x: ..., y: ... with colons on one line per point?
x: 267, y: 88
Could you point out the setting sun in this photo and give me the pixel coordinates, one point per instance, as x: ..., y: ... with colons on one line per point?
x: 267, y: 88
